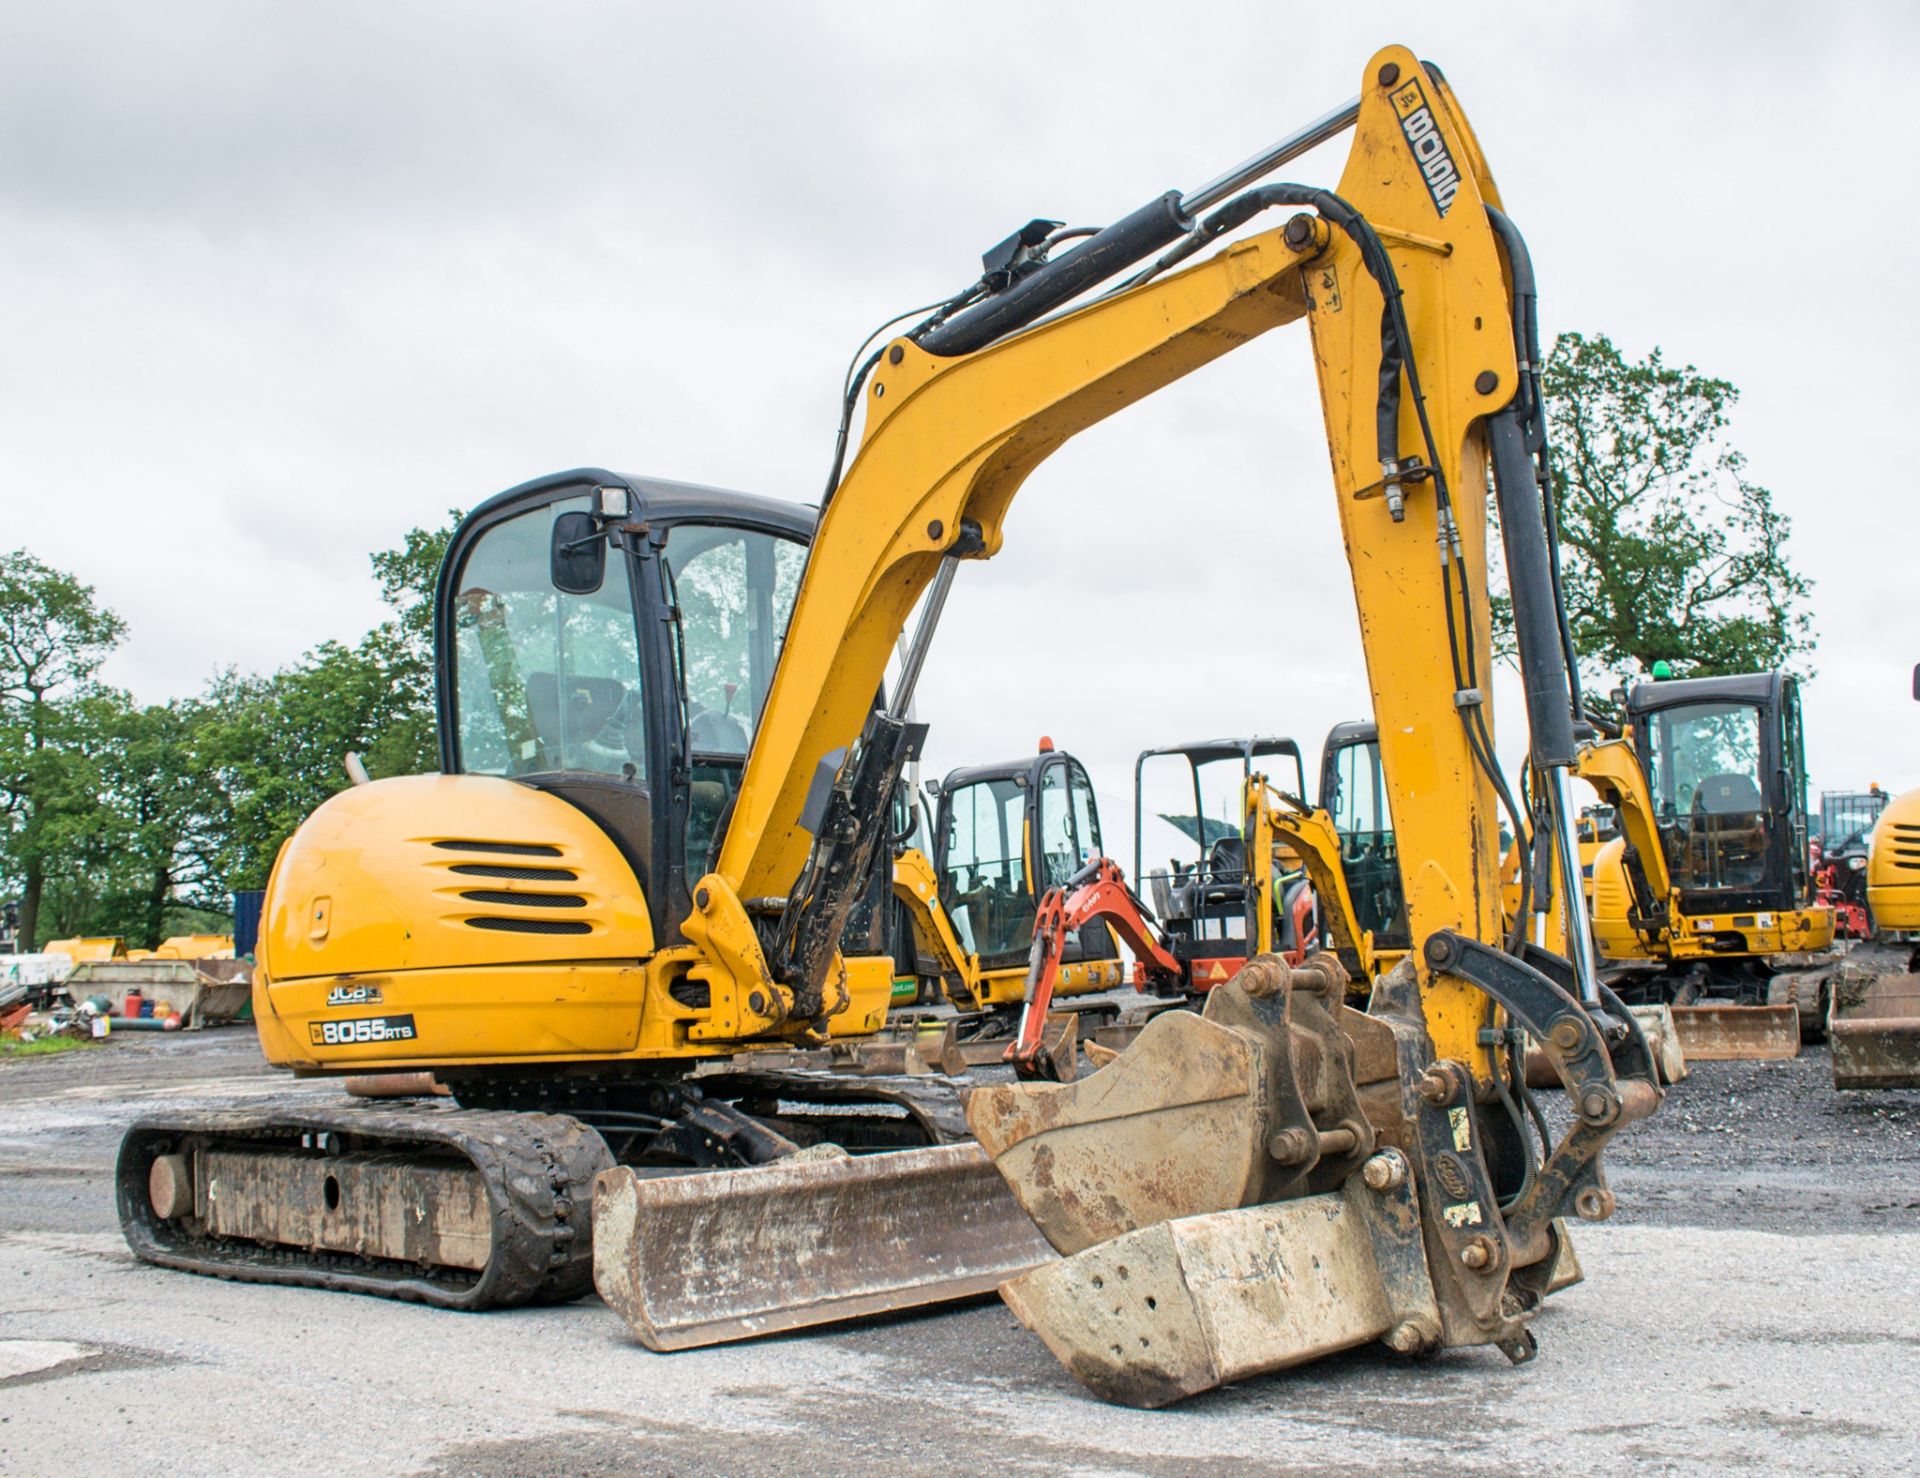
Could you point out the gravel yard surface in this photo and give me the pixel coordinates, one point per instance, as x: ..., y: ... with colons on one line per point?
x: 1755, y: 1305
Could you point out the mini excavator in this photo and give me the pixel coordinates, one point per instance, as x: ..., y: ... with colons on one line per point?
x: 655, y: 852
x: 1707, y: 894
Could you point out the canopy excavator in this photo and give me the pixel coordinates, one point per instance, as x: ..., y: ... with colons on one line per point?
x: 1707, y: 896
x: 654, y: 853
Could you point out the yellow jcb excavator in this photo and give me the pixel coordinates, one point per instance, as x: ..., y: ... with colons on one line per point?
x: 1002, y: 834
x: 1707, y: 893
x: 654, y: 848
x: 1873, y: 1024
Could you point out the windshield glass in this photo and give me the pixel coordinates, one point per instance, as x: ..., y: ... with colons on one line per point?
x: 544, y: 682
x: 1705, y: 763
x: 983, y: 881
x: 735, y: 589
x: 1369, y: 855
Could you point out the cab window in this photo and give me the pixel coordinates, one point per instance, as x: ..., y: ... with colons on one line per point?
x: 544, y: 682
x: 735, y: 590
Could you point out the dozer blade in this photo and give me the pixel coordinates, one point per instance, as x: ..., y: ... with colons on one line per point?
x: 1874, y: 1032
x: 1721, y: 1032
x: 700, y: 1259
x: 1175, y: 1309
x: 463, y: 1208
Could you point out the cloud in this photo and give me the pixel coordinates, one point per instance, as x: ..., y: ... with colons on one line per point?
x: 281, y: 282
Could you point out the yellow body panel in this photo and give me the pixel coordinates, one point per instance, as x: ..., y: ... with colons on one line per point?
x: 104, y: 947
x: 1893, y: 865
x: 195, y: 947
x: 1697, y: 936
x: 369, y: 909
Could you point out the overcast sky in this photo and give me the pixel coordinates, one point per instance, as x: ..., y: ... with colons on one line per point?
x: 281, y: 281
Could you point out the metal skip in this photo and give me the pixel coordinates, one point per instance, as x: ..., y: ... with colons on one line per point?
x: 1729, y: 1033
x: 1874, y: 1031
x: 706, y: 1257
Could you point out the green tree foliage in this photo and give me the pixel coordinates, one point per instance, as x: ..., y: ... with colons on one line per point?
x: 140, y: 821
x: 1670, y: 552
x: 54, y: 635
x: 276, y: 746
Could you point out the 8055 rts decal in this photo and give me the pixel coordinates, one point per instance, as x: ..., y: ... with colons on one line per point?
x: 357, y: 1029
x: 1430, y: 151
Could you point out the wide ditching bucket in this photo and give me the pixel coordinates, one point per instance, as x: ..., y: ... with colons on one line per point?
x: 1874, y: 1030
x: 1724, y: 1032
x: 704, y: 1258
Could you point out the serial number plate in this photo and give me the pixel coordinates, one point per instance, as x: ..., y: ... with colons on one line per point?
x: 362, y: 1029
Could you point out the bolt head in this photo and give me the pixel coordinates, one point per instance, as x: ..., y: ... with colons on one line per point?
x: 1566, y: 1034
x: 701, y: 898
x: 1384, y: 1172
x: 1299, y: 231
x: 1486, y: 382
x: 1476, y: 1254
x: 896, y: 354
x: 1291, y: 1146
x: 1389, y: 74
x: 1435, y: 1087
x: 758, y: 1001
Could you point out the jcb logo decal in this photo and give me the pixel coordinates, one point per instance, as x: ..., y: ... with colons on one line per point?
x: 1429, y: 148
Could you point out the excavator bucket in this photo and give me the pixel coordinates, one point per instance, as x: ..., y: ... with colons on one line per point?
x: 1723, y: 1032
x: 1874, y: 1029
x: 705, y: 1258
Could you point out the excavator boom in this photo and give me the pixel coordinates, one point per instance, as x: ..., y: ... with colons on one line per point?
x: 1278, y: 1108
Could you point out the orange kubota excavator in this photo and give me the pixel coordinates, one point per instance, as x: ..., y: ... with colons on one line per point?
x: 667, y: 785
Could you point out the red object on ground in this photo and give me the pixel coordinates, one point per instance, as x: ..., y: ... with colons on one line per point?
x: 12, y: 1018
x: 131, y: 1007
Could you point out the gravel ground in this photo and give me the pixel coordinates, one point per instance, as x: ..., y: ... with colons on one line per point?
x: 1755, y: 1304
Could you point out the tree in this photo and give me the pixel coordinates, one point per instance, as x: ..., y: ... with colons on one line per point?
x: 273, y: 748
x: 54, y: 635
x: 1670, y: 553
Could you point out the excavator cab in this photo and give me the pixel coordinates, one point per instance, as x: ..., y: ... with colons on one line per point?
x: 611, y: 642
x: 1353, y: 791
x: 1188, y: 805
x: 1725, y: 763
x: 1004, y: 834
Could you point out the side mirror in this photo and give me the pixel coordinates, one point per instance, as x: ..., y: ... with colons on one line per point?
x: 1916, y: 682
x: 579, y: 559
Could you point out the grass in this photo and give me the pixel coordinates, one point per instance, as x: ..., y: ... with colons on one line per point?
x: 42, y: 1047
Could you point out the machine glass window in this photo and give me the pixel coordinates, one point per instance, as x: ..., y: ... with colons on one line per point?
x: 544, y: 681
x: 1369, y: 856
x: 1058, y: 851
x: 984, y: 881
x: 735, y: 589
x: 1086, y: 821
x: 1710, y: 791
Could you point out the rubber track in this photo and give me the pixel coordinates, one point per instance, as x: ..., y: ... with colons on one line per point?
x: 538, y: 1170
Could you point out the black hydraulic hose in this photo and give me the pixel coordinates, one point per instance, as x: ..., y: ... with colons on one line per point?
x: 857, y: 376
x: 1526, y: 336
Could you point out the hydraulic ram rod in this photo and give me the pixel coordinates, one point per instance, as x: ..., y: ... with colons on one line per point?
x: 1131, y: 239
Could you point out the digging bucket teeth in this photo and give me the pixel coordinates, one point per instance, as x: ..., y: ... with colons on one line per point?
x: 704, y: 1258
x: 1874, y: 1029
x: 460, y: 1208
x: 1730, y: 1033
